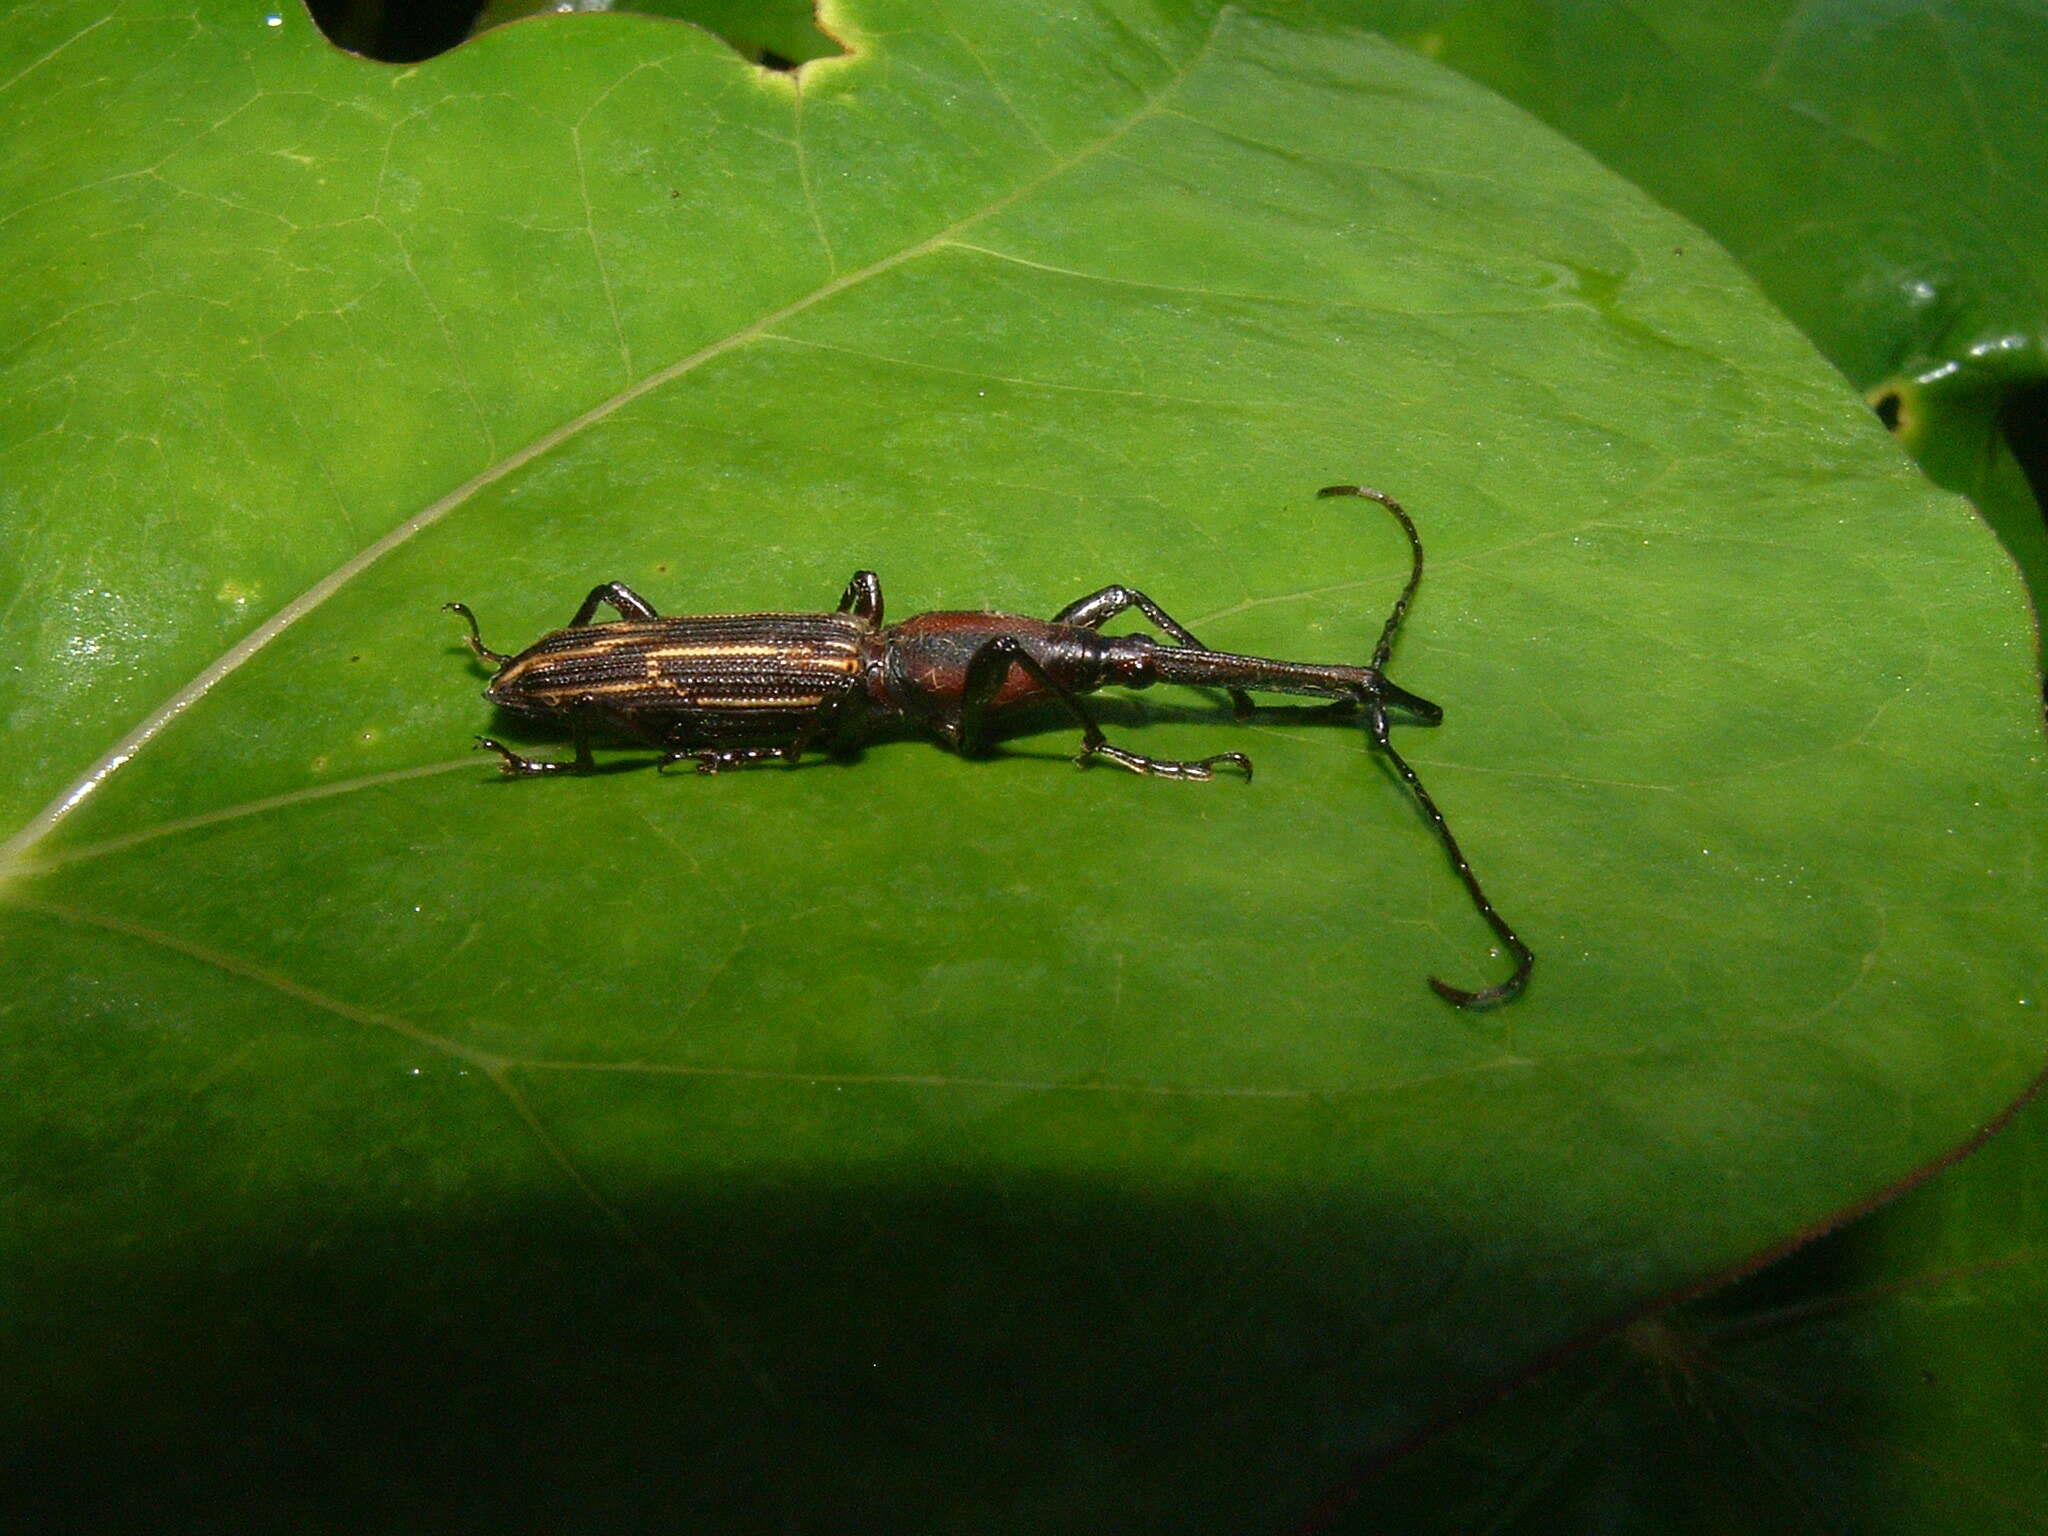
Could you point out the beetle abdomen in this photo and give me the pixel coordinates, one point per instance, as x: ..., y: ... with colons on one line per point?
x: 734, y: 665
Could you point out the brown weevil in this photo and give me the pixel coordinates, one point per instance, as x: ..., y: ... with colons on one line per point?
x: 726, y: 690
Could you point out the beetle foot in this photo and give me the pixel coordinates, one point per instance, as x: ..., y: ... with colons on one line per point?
x: 718, y: 759
x: 515, y: 766
x: 1200, y: 770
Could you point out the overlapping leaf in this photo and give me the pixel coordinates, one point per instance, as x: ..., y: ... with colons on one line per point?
x: 1877, y: 167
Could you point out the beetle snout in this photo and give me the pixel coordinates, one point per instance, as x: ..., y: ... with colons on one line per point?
x: 1409, y: 708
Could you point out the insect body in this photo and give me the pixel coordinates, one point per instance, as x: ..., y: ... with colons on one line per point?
x: 731, y: 689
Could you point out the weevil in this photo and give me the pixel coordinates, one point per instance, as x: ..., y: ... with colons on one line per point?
x: 728, y: 690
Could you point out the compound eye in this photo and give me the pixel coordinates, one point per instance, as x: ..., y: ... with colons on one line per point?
x: 1131, y: 664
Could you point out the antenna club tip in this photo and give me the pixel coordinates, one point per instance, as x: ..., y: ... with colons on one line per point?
x: 1366, y: 491
x: 1458, y: 997
x: 1485, y: 997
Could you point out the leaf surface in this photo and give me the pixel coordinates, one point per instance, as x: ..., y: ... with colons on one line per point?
x: 658, y: 1150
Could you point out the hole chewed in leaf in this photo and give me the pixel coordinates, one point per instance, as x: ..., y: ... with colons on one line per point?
x: 1898, y: 406
x: 782, y: 35
x: 395, y: 31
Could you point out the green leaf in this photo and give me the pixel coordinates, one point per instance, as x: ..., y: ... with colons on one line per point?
x: 1886, y: 1378
x: 1876, y: 166
x: 402, y: 1146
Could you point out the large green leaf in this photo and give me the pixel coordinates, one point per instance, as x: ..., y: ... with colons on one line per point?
x: 1877, y: 167
x: 1051, y: 1150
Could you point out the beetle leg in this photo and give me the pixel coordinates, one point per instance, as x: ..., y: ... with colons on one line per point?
x: 476, y: 640
x: 717, y: 759
x: 628, y: 604
x: 516, y: 766
x: 863, y: 597
x: 711, y: 759
x: 1098, y: 608
x: 579, y: 734
x: 986, y: 671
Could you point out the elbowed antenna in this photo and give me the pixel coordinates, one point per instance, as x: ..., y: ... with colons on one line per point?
x: 1525, y: 958
x: 1393, y: 625
x: 476, y: 639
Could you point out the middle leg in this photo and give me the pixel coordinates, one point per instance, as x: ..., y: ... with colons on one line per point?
x: 713, y: 755
x: 863, y: 597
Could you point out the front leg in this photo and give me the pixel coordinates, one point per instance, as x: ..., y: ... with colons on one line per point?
x: 986, y: 672
x: 1098, y: 608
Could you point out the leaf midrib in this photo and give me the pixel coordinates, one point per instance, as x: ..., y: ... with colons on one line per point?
x: 14, y: 853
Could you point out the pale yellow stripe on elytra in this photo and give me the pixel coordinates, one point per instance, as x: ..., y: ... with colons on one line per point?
x: 564, y: 694
x: 601, y: 646
x: 545, y: 660
x: 641, y: 685
x: 839, y: 657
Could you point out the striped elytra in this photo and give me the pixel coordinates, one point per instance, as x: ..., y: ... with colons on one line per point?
x: 746, y: 664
